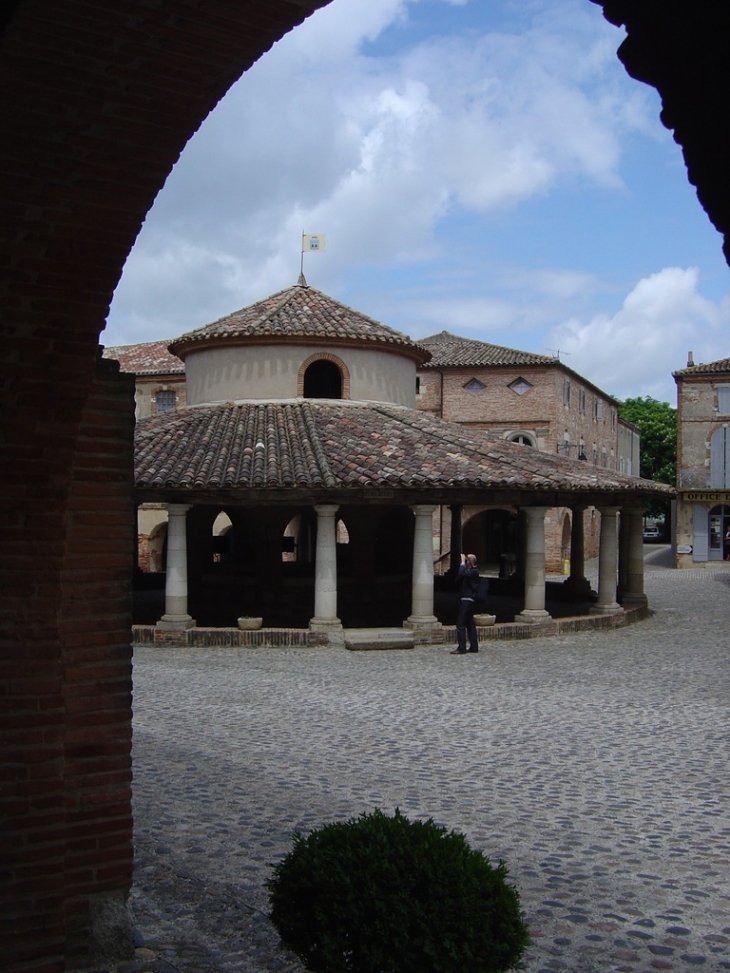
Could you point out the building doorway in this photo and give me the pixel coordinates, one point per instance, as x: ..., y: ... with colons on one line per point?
x: 719, y: 533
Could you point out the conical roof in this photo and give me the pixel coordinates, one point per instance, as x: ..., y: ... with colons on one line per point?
x: 299, y: 313
x: 340, y: 448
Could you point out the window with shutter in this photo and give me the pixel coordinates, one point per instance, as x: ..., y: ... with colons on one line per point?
x: 723, y: 400
x: 720, y: 458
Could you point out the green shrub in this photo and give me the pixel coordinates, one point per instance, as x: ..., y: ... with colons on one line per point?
x: 380, y: 894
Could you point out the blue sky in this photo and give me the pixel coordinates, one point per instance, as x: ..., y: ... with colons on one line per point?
x: 485, y: 168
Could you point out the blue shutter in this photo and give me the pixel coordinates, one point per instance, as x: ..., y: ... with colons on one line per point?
x: 700, y: 543
x: 723, y: 400
x: 719, y: 455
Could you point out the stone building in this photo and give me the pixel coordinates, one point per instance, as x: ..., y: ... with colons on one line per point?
x: 98, y: 102
x: 534, y: 400
x: 531, y: 399
x: 159, y: 376
x: 703, y: 462
x: 302, y: 485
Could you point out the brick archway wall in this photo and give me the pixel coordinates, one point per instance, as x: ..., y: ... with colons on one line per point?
x: 98, y: 101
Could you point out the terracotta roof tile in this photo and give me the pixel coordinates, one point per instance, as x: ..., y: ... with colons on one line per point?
x: 298, y: 312
x: 449, y: 350
x: 148, y: 358
x: 335, y: 445
x: 710, y: 368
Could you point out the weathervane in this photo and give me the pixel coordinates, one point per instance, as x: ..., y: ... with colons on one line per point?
x: 311, y: 243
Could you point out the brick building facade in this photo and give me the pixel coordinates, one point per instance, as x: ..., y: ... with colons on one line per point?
x: 703, y: 463
x: 535, y: 400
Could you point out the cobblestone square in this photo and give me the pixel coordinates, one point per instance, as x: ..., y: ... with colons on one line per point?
x: 595, y: 765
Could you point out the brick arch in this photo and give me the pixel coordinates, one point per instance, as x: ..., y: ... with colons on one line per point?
x: 98, y: 102
x: 324, y: 356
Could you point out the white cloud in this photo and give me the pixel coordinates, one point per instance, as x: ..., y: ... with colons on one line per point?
x: 634, y: 351
x: 374, y: 151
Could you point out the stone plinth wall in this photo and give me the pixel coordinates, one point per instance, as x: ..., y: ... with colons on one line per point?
x: 264, y: 637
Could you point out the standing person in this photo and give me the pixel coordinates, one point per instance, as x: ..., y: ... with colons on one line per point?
x: 726, y: 553
x: 467, y: 582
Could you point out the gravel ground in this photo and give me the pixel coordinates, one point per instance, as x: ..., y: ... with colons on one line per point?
x: 595, y: 765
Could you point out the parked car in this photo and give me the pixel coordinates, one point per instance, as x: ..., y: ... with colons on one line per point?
x: 652, y: 533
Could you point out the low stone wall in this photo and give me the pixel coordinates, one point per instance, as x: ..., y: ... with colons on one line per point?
x: 503, y: 632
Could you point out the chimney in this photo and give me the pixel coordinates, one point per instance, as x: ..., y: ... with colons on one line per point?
x: 690, y: 359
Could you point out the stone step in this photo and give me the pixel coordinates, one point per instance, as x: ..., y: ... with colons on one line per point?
x: 374, y: 639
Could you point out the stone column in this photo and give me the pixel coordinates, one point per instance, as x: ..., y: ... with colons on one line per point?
x: 422, y: 616
x: 607, y: 563
x: 534, y: 610
x: 455, y: 542
x: 176, y: 579
x: 325, y: 577
x: 632, y: 575
x: 577, y: 581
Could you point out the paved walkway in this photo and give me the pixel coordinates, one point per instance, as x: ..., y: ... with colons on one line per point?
x: 595, y: 765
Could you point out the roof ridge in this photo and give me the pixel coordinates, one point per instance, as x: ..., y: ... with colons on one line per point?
x: 459, y: 339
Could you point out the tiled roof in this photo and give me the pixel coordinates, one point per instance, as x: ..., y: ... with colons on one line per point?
x: 149, y: 358
x: 449, y: 350
x: 299, y: 312
x: 710, y: 368
x: 334, y: 445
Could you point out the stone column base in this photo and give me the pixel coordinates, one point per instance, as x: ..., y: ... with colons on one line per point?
x: 422, y: 623
x: 175, y: 623
x: 578, y: 586
x: 614, y: 609
x: 634, y: 601
x: 535, y: 616
x: 325, y: 624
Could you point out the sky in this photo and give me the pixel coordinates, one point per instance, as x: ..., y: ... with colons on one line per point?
x: 483, y: 168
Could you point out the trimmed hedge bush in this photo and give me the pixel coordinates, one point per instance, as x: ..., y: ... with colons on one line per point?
x: 380, y: 894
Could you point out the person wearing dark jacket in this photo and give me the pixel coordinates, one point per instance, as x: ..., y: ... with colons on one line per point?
x: 467, y: 583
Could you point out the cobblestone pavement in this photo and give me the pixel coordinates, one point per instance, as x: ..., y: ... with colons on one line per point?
x: 595, y: 765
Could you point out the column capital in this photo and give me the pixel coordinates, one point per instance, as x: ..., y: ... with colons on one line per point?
x: 326, y: 509
x: 179, y: 509
x: 422, y: 509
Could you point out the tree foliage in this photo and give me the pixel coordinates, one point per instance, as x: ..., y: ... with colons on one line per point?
x: 657, y: 423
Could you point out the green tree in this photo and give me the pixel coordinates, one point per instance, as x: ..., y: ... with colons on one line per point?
x: 657, y: 423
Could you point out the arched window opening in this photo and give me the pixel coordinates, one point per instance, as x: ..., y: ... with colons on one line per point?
x: 154, y: 549
x: 322, y: 380
x: 297, y: 542
x: 344, y: 553
x: 492, y: 535
x: 523, y: 438
x: 222, y: 539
